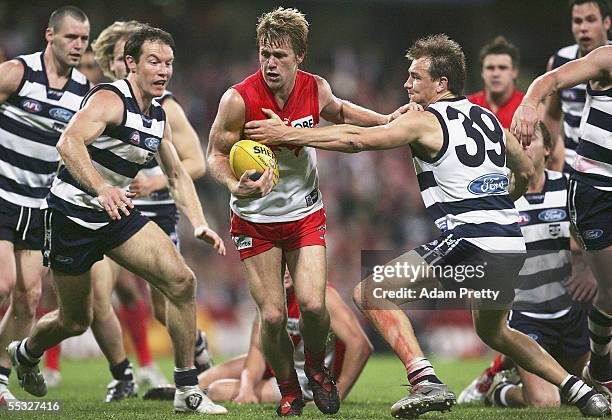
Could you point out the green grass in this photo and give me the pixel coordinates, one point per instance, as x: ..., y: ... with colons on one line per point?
x: 84, y: 382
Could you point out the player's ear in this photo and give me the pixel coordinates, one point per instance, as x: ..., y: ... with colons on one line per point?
x: 442, y: 84
x: 300, y: 57
x: 130, y: 63
x: 49, y: 34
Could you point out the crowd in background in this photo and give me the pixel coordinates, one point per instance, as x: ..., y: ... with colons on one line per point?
x: 372, y: 199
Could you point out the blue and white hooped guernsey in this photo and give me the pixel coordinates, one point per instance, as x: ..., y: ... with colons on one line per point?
x: 159, y: 203
x: 593, y: 163
x: 465, y: 187
x: 118, y: 154
x: 572, y: 103
x: 31, y: 122
x: 545, y: 225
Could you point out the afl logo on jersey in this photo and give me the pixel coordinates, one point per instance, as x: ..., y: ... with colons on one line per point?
x: 152, y: 143
x: 32, y: 106
x: 60, y: 114
x: 524, y: 218
x: 552, y: 215
x: 135, y: 137
x: 489, y: 184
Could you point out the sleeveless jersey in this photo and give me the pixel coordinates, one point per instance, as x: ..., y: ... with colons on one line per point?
x: 159, y: 203
x: 572, y: 103
x: 546, y: 228
x: 118, y: 154
x: 334, y: 351
x: 297, y: 193
x: 31, y: 122
x: 465, y: 187
x: 593, y: 163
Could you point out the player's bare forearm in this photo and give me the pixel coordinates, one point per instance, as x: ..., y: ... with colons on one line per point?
x: 78, y: 162
x: 184, y: 193
x: 520, y: 165
x: 357, y: 115
x: 255, y: 363
x: 220, y: 170
x: 354, y: 361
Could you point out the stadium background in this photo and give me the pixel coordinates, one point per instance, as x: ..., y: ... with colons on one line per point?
x: 372, y: 199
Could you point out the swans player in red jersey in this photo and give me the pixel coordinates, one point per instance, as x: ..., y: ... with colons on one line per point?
x: 286, y: 223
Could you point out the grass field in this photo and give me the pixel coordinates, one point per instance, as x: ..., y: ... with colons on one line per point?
x: 84, y: 382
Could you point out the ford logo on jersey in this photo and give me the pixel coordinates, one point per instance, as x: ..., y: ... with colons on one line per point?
x: 152, y: 143
x: 593, y: 234
x: 31, y: 105
x: 489, y: 184
x: 61, y: 114
x: 552, y: 215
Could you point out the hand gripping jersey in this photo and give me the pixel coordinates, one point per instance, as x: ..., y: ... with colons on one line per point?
x: 31, y: 122
x: 118, y: 154
x: 297, y: 193
x: 465, y: 187
x: 593, y: 163
x: 546, y: 227
x: 159, y: 203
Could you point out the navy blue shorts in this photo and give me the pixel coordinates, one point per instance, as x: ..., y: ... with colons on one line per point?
x: 464, y: 265
x: 566, y: 337
x: 168, y: 225
x: 72, y: 249
x: 23, y: 226
x: 591, y: 215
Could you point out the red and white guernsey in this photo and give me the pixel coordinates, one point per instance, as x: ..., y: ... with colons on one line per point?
x: 297, y: 193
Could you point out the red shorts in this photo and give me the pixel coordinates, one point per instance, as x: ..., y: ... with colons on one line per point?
x: 254, y: 238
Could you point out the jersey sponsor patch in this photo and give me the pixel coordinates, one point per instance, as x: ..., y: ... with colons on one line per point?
x: 552, y: 215
x: 242, y: 242
x: 306, y: 122
x: 593, y: 234
x: 61, y: 114
x: 152, y: 143
x: 489, y: 184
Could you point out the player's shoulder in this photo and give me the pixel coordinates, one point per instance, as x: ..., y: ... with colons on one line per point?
x: 564, y: 55
x: 557, y: 181
x: 477, y: 98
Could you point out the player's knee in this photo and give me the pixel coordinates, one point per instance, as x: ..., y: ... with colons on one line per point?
x: 273, y: 318
x: 182, y: 287
x: 313, y: 309
x: 159, y: 311
x: 25, y: 301
x: 493, y: 338
x: 78, y: 326
x: 358, y: 296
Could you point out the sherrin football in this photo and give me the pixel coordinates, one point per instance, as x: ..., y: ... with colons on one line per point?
x: 248, y: 154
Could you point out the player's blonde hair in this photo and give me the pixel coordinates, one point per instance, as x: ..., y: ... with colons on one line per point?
x: 104, y: 45
x: 282, y: 25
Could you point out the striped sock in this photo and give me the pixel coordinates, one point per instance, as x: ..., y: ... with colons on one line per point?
x: 499, y: 395
x: 600, y: 332
x: 122, y: 371
x: 575, y: 391
x: 4, y: 375
x: 420, y: 370
x: 24, y: 356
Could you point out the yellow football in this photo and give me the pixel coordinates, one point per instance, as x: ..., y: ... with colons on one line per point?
x: 248, y: 154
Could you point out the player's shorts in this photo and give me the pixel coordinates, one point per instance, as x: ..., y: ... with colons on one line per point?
x: 254, y: 238
x: 168, y: 225
x: 591, y: 215
x: 72, y: 249
x: 566, y: 337
x: 464, y: 265
x: 23, y: 226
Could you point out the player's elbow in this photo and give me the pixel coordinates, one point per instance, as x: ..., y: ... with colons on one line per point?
x: 355, y: 145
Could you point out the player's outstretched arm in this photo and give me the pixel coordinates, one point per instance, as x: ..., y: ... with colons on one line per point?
x: 102, y: 109
x: 346, y: 327
x: 184, y: 193
x: 254, y: 367
x: 552, y: 119
x: 520, y: 165
x: 11, y: 73
x: 592, y: 66
x: 345, y: 138
x: 225, y: 131
x: 187, y: 145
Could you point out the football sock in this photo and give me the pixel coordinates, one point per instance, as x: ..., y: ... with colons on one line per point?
x: 499, y: 395
x: 4, y: 375
x: 199, y: 346
x: 122, y: 371
x: 185, y: 376
x: 420, y: 370
x: 52, y: 357
x: 600, y: 331
x: 497, y: 365
x: 290, y: 387
x: 575, y: 391
x: 134, y: 318
x: 24, y: 356
x: 314, y: 360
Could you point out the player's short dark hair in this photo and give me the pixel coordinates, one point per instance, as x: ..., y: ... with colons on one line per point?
x: 58, y: 15
x: 500, y: 45
x: 546, y: 137
x: 604, y: 6
x: 446, y: 59
x: 133, y: 45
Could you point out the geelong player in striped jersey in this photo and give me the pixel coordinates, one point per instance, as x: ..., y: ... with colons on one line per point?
x: 39, y: 94
x: 590, y: 187
x: 548, y: 305
x: 118, y: 130
x: 463, y: 160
